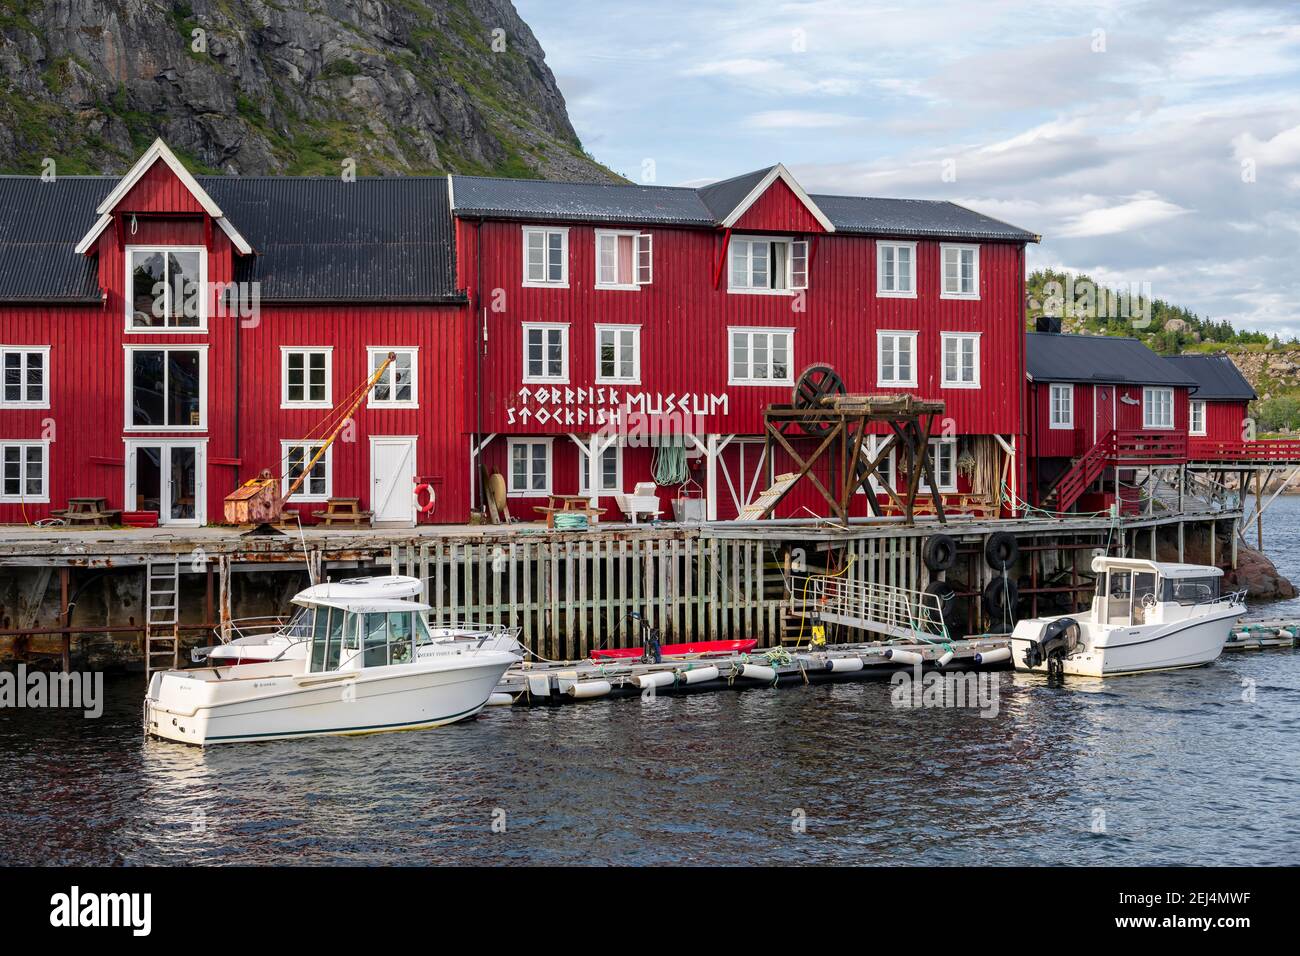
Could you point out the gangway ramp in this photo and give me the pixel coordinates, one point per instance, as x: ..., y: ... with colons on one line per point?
x: 879, y: 608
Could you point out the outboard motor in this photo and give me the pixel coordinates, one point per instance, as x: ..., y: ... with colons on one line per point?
x: 1059, y: 640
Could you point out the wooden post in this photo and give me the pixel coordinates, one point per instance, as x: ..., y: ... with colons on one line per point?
x: 65, y: 617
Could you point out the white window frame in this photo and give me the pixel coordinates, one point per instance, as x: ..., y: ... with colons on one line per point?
x: 128, y: 292
x: 584, y: 470
x: 327, y: 461
x: 889, y: 463
x: 1052, y: 390
x: 944, y: 339
x: 944, y: 249
x: 790, y: 256
x: 642, y: 259
x: 530, y: 492
x: 1149, y: 393
x: 129, y: 389
x: 44, y: 445
x: 1192, y: 428
x: 524, y: 329
x: 544, y: 283
x: 749, y: 332
x: 285, y: 352
x: 948, y: 487
x: 25, y: 350
x: 881, y: 381
x: 881, y: 291
x: 382, y: 352
x: 635, y: 378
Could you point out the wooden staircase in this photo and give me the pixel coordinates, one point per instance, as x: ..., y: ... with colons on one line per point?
x: 1123, y: 447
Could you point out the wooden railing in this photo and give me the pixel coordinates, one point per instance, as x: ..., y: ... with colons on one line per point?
x: 1118, y: 447
x: 1280, y: 450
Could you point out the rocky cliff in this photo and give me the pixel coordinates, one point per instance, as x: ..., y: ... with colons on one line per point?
x: 282, y: 86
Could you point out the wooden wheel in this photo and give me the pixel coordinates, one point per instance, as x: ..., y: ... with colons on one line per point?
x: 815, y: 383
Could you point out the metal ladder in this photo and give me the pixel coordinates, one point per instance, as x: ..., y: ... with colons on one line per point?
x: 162, y: 639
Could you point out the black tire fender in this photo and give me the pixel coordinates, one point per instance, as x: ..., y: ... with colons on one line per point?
x: 1001, y: 550
x: 1000, y: 597
x: 940, y: 552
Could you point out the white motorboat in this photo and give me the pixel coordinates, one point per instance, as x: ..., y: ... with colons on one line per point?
x: 365, y: 664
x: 260, y: 639
x: 1145, y: 616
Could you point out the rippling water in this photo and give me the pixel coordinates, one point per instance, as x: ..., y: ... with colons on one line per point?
x: 1182, y: 767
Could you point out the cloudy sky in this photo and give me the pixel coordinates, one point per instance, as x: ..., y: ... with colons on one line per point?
x: 1152, y: 142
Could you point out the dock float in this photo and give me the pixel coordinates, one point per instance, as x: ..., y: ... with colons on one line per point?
x: 536, y: 683
x: 1258, y: 635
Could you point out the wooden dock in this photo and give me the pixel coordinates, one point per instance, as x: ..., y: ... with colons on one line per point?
x: 546, y: 682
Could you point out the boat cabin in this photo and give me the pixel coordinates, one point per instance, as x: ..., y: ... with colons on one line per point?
x: 363, y: 622
x: 1131, y: 591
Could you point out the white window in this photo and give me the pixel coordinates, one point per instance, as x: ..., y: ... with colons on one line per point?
x: 166, y: 388
x: 1157, y: 408
x: 961, y: 272
x: 943, y: 462
x: 768, y: 265
x: 25, y: 376
x: 1197, y: 424
x: 896, y: 269
x: 399, y: 385
x: 546, y: 256
x: 611, y: 471
x: 896, y: 358
x: 760, y: 356
x: 1061, y: 399
x: 530, y: 467
x: 623, y: 260
x: 166, y: 288
x: 546, y: 352
x: 961, y: 359
x: 618, y: 354
x: 295, y: 456
x: 305, y: 377
x: 25, y: 472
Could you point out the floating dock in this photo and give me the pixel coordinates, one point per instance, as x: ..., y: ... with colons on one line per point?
x: 1258, y: 635
x: 547, y: 682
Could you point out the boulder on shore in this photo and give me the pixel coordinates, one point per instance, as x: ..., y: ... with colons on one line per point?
x: 1258, y: 575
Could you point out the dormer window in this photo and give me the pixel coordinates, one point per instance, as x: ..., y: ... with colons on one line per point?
x: 165, y: 288
x: 768, y: 265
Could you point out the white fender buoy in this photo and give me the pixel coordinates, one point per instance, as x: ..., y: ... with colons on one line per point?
x: 993, y: 656
x: 758, y: 672
x: 590, y: 688
x: 500, y: 700
x: 903, y: 657
x: 947, y: 656
x: 844, y: 664
x: 698, y: 675
x: 653, y: 679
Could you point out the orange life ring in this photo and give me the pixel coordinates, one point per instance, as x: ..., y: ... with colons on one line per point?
x: 425, y: 507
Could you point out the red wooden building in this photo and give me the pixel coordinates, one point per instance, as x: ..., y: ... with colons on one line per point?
x: 1217, y: 410
x: 650, y: 323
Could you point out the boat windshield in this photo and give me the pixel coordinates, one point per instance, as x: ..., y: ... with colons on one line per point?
x: 389, y: 638
x: 299, y: 626
x: 327, y: 638
x: 1191, y: 590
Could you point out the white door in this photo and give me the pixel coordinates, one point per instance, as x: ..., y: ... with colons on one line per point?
x: 167, y: 476
x: 392, y: 474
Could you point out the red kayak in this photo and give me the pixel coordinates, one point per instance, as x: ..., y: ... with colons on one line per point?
x: 678, y: 650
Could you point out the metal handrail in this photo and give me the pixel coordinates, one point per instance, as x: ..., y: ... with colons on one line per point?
x: 885, y: 604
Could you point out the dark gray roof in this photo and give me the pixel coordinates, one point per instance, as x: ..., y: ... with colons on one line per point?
x: 1053, y: 357
x: 323, y: 239
x: 315, y: 239
x: 1217, y: 377
x: 726, y: 194
x: 708, y: 206
x: 490, y: 198
x: 40, y: 223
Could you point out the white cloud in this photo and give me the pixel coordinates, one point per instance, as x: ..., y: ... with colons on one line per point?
x: 1140, y: 212
x: 800, y: 119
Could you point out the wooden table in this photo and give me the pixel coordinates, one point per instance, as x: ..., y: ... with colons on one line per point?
x: 567, y: 504
x: 93, y: 511
x: 343, y: 511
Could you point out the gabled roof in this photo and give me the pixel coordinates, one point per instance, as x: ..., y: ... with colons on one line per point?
x: 718, y: 205
x: 1217, y: 377
x: 316, y: 239
x: 1100, y: 359
x: 158, y: 152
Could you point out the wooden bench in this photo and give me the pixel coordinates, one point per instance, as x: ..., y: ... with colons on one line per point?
x: 570, y: 505
x: 343, y: 511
